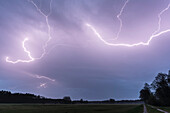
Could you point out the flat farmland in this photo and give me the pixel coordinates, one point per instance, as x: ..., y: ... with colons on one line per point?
x: 86, y: 108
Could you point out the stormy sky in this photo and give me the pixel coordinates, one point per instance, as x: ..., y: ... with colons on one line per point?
x: 76, y: 62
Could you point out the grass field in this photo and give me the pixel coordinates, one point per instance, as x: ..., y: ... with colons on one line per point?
x: 8, y: 108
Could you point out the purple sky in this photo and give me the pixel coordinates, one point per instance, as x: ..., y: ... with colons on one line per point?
x: 78, y: 64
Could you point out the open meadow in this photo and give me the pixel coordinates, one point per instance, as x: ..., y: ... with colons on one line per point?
x: 37, y: 108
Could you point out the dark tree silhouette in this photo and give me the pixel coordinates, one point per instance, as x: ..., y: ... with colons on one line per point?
x: 161, y: 91
x: 162, y: 88
x: 67, y: 99
x: 145, y: 93
x: 8, y: 97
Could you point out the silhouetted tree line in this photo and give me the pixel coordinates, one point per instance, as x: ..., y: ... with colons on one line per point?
x: 8, y: 97
x: 158, y: 92
x: 129, y: 101
x: 110, y: 101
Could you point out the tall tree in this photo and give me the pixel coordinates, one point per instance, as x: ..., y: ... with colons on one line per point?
x: 145, y: 93
x: 162, y: 88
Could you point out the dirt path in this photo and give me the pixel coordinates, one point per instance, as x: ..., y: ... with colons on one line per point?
x: 158, y: 109
x: 144, y: 109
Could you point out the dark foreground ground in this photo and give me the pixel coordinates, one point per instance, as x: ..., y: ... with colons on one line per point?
x: 14, y: 108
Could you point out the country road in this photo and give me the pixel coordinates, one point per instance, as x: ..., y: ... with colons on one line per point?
x: 158, y: 109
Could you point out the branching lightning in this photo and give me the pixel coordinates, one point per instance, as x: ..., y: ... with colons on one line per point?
x: 155, y: 34
x: 26, y: 39
x: 41, y: 77
x: 48, y: 25
x: 120, y: 20
x: 159, y: 18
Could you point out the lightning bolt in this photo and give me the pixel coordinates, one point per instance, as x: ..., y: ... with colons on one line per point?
x: 25, y: 50
x: 39, y: 76
x: 43, y: 78
x: 48, y: 25
x: 159, y: 18
x: 26, y: 39
x: 120, y: 20
x: 155, y: 34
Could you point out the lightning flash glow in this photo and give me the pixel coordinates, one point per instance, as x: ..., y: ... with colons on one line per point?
x: 42, y: 85
x: 26, y: 39
x: 154, y: 34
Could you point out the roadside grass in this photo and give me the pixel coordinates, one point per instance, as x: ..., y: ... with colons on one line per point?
x: 165, y: 108
x: 71, y: 108
x: 152, y: 110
